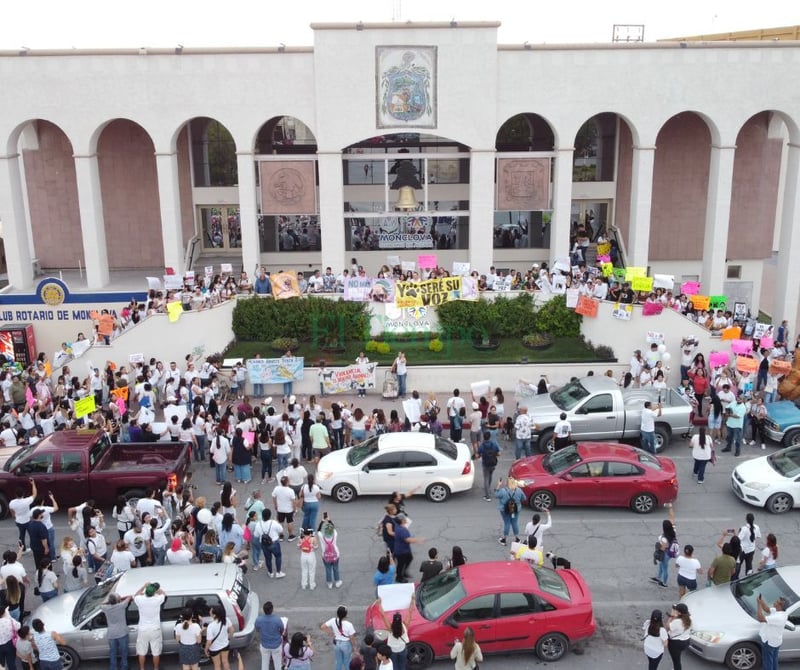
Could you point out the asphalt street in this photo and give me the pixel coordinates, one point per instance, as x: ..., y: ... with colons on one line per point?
x: 612, y: 548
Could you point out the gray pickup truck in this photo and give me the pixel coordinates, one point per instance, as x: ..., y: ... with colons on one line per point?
x: 598, y: 409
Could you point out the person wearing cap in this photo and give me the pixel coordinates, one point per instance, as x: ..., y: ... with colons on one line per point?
x: 149, y: 599
x: 475, y: 434
x: 734, y: 422
x: 774, y: 619
x: 679, y: 629
x: 114, y: 608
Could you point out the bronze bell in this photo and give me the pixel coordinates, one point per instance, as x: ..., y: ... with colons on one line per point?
x: 406, y: 199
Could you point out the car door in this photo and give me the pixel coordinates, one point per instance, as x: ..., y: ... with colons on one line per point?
x: 521, y: 621
x: 70, y: 480
x: 170, y: 613
x: 478, y: 613
x: 381, y: 474
x: 622, y: 481
x: 39, y: 467
x: 420, y: 468
x: 595, y: 419
x: 583, y: 484
x: 92, y: 637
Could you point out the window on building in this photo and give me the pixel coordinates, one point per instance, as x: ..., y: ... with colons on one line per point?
x: 213, y: 154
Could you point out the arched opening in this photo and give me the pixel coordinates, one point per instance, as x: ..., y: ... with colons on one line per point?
x: 51, y: 187
x: 288, y: 182
x: 524, y: 184
x: 129, y: 186
x: 406, y: 191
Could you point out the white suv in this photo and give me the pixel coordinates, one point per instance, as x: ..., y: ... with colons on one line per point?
x: 398, y: 462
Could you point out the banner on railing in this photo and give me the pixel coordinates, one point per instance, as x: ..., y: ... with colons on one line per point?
x: 275, y: 370
x: 348, y: 379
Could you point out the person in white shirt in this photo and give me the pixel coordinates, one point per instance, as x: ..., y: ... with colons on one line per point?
x: 536, y: 528
x: 148, y: 600
x: 8, y: 437
x: 562, y: 432
x: 688, y: 569
x: 637, y: 362
x: 523, y: 427
x: 679, y: 629
x: 600, y: 290
x: 645, y: 377
x: 455, y: 404
x: 121, y: 558
x: 648, y: 427
x: 178, y: 553
x: 284, y: 500
x: 20, y: 509
x: 653, y: 356
x: 774, y: 619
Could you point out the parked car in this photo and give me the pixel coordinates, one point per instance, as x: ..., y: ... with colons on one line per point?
x: 771, y: 481
x: 598, y: 409
x: 397, y: 462
x: 511, y: 606
x: 77, y: 616
x: 78, y: 464
x: 783, y: 422
x: 597, y: 473
x: 725, y: 626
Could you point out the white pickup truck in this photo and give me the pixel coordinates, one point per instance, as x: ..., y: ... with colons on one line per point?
x: 598, y: 409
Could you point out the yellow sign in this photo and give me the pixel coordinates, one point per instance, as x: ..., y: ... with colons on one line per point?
x: 607, y: 268
x: 632, y: 272
x: 174, y: 310
x: 700, y: 302
x: 84, y: 406
x: 424, y: 293
x: 604, y: 249
x: 642, y: 283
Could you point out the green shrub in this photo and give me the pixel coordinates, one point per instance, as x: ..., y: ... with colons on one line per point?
x: 436, y: 345
x: 383, y: 348
x: 556, y: 318
x: 371, y: 346
x: 284, y: 343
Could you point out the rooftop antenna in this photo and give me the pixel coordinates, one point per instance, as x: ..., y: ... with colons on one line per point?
x: 628, y: 32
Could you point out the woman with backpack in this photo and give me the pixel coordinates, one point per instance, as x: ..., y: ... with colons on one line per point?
x: 668, y: 547
x: 308, y: 558
x: 330, y: 552
x: 510, y: 499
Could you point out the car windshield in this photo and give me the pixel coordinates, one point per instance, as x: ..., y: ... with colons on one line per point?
x: 786, y: 462
x: 648, y: 459
x: 362, y: 450
x: 568, y: 395
x: 767, y: 583
x: 551, y: 582
x: 436, y: 595
x: 18, y: 457
x: 91, y: 599
x: 561, y: 459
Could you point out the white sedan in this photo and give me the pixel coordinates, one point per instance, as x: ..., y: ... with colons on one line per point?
x: 397, y: 462
x: 770, y: 481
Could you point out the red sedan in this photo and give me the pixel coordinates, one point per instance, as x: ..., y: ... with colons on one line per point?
x: 510, y: 605
x: 597, y: 473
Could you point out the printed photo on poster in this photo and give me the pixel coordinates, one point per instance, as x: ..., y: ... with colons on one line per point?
x: 622, y: 311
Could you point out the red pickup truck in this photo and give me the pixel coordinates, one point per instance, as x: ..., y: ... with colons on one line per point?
x: 77, y: 465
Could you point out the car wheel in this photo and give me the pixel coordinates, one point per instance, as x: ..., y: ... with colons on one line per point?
x: 437, y: 492
x: 662, y: 437
x: 69, y: 658
x: 778, y: 503
x: 552, y: 647
x: 547, y: 443
x: 344, y: 493
x: 743, y: 656
x: 3, y: 506
x: 541, y: 500
x: 418, y: 655
x: 791, y: 439
x: 643, y: 503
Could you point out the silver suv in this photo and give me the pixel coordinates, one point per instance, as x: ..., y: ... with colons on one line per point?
x: 77, y: 616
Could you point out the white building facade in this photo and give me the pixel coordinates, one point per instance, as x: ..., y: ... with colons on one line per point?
x: 686, y: 154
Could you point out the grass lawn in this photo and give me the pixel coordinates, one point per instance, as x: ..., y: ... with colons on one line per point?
x: 456, y: 352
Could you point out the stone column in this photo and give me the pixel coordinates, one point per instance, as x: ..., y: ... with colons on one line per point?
x: 331, y: 210
x: 481, y: 209
x: 718, y: 211
x: 248, y: 213
x: 169, y: 198
x: 90, y: 204
x: 638, y: 246
x: 12, y: 214
x: 787, y: 287
x: 562, y: 204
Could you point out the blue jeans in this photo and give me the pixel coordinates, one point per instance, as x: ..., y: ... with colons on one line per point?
x: 649, y: 442
x: 344, y: 651
x: 510, y: 523
x: 663, y: 569
x: 283, y: 461
x: 331, y: 571
x: 733, y: 436
x: 337, y: 438
x: 769, y: 656
x: 700, y: 469
x: 287, y: 389
x: 8, y: 655
x: 22, y: 528
x: 242, y: 473
x: 48, y: 595
x: 266, y: 463
x: 200, y: 449
x: 310, y: 512
x: 159, y: 554
x: 488, y: 474
x: 220, y: 472
x: 401, y: 385
x: 51, y: 542
x: 118, y: 648
x: 274, y: 550
x: 258, y: 390
x: 256, y: 551
x: 399, y: 660
x: 522, y: 445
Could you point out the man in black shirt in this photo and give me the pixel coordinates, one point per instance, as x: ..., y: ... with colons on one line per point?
x: 38, y: 537
x: 626, y: 294
x: 432, y: 566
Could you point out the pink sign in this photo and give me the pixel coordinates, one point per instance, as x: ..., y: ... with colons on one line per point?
x: 690, y: 287
x: 741, y: 346
x: 718, y: 359
x: 427, y: 261
x: 605, y: 258
x: 652, y: 308
x: 766, y: 343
